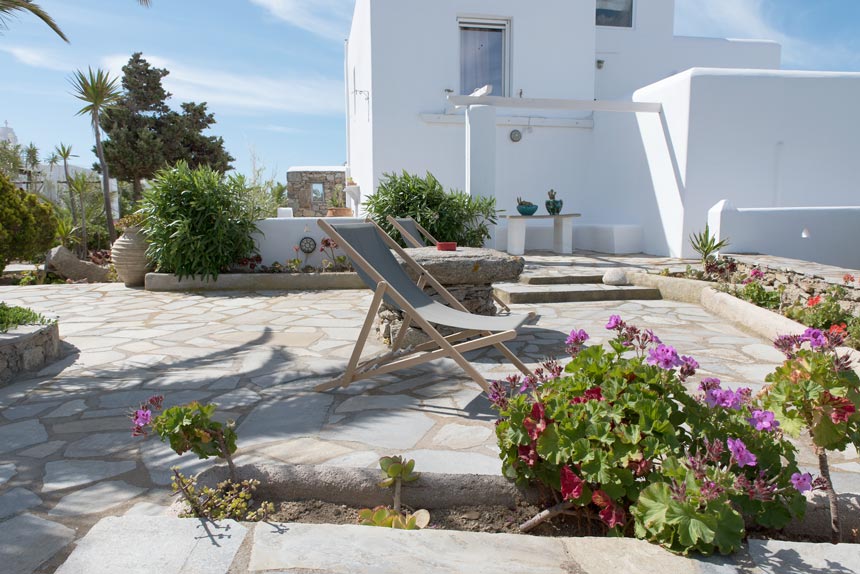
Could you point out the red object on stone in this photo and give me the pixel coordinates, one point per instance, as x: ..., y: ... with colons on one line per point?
x: 446, y: 246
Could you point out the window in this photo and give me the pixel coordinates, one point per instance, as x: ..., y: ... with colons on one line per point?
x: 484, y: 47
x: 617, y: 13
x: 318, y: 192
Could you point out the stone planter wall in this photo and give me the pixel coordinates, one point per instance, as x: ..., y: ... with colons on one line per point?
x: 300, y: 191
x: 27, y: 348
x: 256, y: 282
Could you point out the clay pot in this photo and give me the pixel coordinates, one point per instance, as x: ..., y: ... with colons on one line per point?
x: 129, y: 257
x: 339, y: 212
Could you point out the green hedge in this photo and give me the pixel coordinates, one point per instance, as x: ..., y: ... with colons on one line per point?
x: 28, y: 225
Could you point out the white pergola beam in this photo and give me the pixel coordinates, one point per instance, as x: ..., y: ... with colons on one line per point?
x: 555, y: 104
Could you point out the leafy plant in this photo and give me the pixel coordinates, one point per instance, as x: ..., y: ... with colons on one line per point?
x: 229, y: 500
x: 619, y: 440
x: 757, y: 294
x: 706, y: 244
x: 821, y: 311
x: 11, y: 317
x: 337, y: 199
x: 523, y: 202
x: 454, y: 216
x: 135, y: 219
x: 816, y: 391
x: 334, y: 262
x: 197, y: 221
x: 396, y: 471
x: 28, y: 225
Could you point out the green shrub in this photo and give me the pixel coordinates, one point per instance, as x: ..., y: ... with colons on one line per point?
x: 198, y: 221
x: 28, y: 225
x: 454, y: 216
x: 821, y: 311
x: 11, y: 317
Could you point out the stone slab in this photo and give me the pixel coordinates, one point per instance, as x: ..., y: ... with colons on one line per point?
x: 26, y: 541
x: 7, y: 471
x: 62, y: 474
x: 400, y: 430
x: 453, y: 462
x: 150, y: 544
x: 779, y: 557
x: 102, y: 444
x: 292, y: 417
x: 256, y: 282
x: 95, y: 499
x: 16, y: 500
x: 328, y: 549
x: 68, y: 409
x: 19, y: 435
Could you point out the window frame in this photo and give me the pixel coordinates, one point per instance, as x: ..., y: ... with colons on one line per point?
x: 503, y: 24
x: 633, y: 12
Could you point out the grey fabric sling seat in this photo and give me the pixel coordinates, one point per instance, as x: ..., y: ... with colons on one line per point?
x: 369, y: 249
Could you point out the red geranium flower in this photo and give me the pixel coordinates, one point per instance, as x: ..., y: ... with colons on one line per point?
x: 571, y: 485
x: 838, y: 329
x: 813, y: 301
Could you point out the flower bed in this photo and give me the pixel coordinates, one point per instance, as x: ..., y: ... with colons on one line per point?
x: 810, y: 300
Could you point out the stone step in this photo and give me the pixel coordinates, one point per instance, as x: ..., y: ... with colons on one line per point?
x: 512, y: 293
x: 560, y: 279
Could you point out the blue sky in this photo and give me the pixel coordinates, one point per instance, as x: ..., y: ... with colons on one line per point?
x: 272, y: 70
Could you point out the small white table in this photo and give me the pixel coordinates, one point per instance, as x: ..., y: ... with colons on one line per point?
x: 562, y: 233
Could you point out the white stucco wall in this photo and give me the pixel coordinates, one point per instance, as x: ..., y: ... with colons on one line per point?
x: 648, y: 52
x: 359, y: 117
x: 278, y: 237
x: 416, y: 57
x: 821, y: 234
x: 756, y: 138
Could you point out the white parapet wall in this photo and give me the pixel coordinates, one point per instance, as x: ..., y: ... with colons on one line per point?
x: 827, y: 235
x: 279, y: 236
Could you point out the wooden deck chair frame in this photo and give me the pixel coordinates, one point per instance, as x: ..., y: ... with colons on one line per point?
x: 452, y: 346
x: 414, y: 242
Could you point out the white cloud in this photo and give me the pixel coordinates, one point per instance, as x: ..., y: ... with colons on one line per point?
x: 37, y: 58
x: 327, y: 18
x: 757, y: 19
x: 244, y: 92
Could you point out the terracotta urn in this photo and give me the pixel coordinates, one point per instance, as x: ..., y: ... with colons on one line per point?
x: 339, y: 212
x: 129, y: 257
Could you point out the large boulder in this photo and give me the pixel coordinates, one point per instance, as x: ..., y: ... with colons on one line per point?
x: 467, y: 265
x: 65, y: 264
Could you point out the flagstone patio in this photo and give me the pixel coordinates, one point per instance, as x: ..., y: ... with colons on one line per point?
x: 67, y: 457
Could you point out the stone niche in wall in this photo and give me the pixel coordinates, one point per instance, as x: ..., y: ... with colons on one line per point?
x: 309, y: 191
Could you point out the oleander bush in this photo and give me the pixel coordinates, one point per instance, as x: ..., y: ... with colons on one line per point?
x: 28, y: 225
x: 448, y: 216
x: 198, y: 221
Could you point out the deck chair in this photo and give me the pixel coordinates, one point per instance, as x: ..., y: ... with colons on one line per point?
x: 414, y: 235
x: 369, y: 249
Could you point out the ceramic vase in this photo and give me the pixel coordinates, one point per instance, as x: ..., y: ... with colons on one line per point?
x: 129, y: 257
x: 553, y: 206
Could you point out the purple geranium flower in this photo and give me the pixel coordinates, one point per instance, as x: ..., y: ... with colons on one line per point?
x: 763, y: 420
x: 688, y: 367
x: 709, y: 384
x: 801, y: 482
x: 740, y: 454
x: 664, y: 357
x: 725, y: 398
x: 814, y: 337
x: 577, y: 338
x: 142, y: 417
x: 614, y: 322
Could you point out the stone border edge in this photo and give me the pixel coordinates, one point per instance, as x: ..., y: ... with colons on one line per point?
x: 166, y: 282
x: 749, y: 317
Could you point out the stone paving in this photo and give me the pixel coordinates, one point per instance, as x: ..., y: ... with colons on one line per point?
x: 67, y: 457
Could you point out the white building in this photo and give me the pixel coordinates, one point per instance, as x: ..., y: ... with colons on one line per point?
x: 639, y: 130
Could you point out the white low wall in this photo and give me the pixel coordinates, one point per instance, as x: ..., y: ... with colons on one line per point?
x: 827, y: 235
x: 278, y: 236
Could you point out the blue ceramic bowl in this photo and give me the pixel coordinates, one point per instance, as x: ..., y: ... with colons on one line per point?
x: 527, y: 209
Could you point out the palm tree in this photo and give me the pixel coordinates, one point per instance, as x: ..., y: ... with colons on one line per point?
x: 65, y: 152
x: 100, y: 92
x: 31, y: 166
x: 10, y: 7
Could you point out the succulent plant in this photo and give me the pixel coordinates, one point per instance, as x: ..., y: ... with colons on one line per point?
x: 521, y: 201
x: 551, y: 194
x: 390, y: 518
